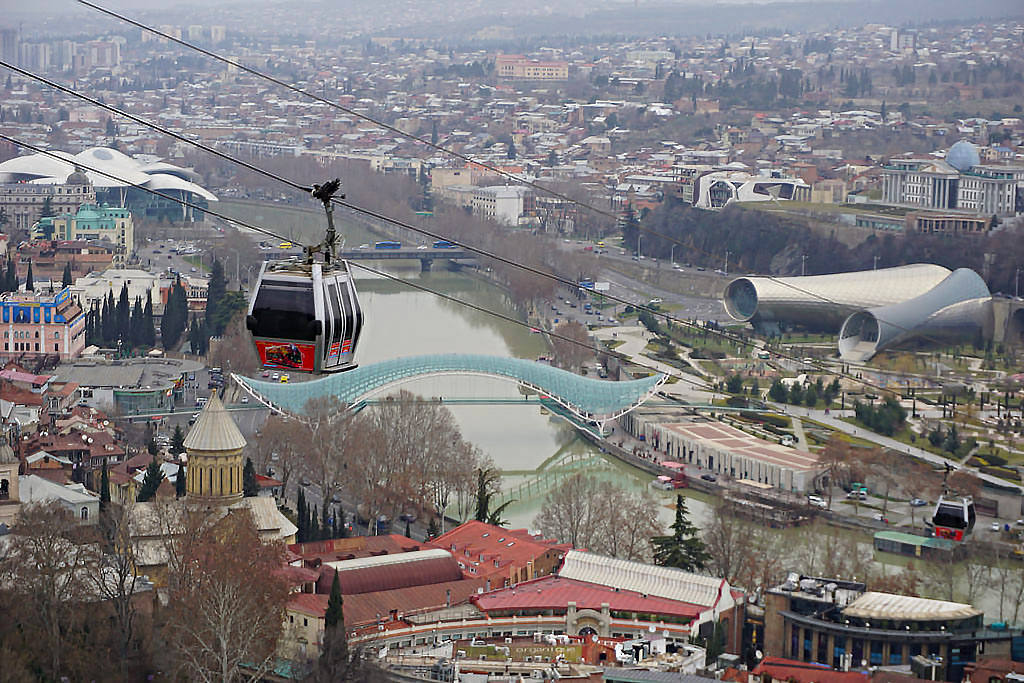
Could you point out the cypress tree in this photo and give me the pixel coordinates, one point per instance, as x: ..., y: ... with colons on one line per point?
x: 408, y: 531
x: 148, y: 329
x: 135, y: 325
x: 250, y: 487
x: 66, y: 279
x: 300, y: 517
x: 180, y: 482
x: 123, y: 317
x: 104, y: 487
x: 29, y: 284
x: 314, y: 527
x: 216, y: 309
x: 432, y: 530
x: 334, y: 656
x: 151, y: 482
x: 109, y: 321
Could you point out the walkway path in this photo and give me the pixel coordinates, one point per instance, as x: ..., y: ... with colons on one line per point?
x: 832, y: 420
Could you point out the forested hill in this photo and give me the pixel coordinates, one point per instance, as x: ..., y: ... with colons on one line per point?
x: 763, y: 243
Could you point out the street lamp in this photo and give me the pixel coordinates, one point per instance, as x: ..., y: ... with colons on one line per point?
x: 672, y: 257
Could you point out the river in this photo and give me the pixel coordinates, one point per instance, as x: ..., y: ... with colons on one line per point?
x: 525, y: 444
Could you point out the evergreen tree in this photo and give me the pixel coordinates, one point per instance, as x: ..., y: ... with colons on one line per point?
x: 250, y: 487
x: 217, y: 310
x: 12, y: 275
x: 314, y: 527
x: 432, y: 529
x: 123, y: 316
x: 148, y: 329
x: 408, y: 530
x: 135, y: 326
x: 487, y: 482
x: 334, y: 654
x: 199, y: 336
x: 300, y: 517
x: 29, y: 284
x: 109, y: 321
x: 175, y: 316
x: 104, y: 488
x: 180, y: 482
x: 177, y: 441
x: 683, y: 549
x: 47, y: 210
x: 151, y: 482
x: 66, y: 278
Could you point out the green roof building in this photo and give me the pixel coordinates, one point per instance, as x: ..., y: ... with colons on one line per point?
x: 92, y: 222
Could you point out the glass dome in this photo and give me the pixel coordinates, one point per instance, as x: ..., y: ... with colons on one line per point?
x: 962, y: 156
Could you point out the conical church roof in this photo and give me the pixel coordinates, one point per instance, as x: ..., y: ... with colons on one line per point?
x: 214, y: 430
x: 7, y: 456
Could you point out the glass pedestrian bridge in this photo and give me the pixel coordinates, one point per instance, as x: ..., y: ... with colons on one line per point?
x: 588, y: 399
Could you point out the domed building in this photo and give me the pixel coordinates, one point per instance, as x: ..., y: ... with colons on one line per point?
x: 963, y: 156
x: 953, y: 191
x: 214, y: 446
x: 213, y: 486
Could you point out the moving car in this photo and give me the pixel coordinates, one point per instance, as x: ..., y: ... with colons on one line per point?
x: 709, y: 477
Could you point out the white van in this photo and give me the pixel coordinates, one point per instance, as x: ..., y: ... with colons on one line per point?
x: 818, y: 502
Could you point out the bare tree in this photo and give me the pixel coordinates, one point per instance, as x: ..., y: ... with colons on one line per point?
x: 728, y: 542
x: 600, y: 517
x: 116, y: 578
x: 48, y: 563
x: 281, y: 444
x: 571, y: 351
x: 336, y: 438
x: 227, y: 602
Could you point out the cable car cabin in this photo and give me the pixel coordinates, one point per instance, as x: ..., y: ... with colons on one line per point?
x: 305, y: 317
x: 954, y: 518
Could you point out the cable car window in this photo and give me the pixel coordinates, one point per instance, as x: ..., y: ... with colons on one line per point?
x: 285, y: 310
x: 339, y: 313
x: 950, y: 515
x: 346, y: 302
x: 333, y: 334
x: 350, y: 288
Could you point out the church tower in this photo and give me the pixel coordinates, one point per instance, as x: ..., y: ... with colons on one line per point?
x: 214, y: 446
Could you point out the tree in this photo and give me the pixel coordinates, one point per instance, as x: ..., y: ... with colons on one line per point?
x: 148, y: 329
x: 734, y: 384
x: 47, y: 210
x: 29, y: 284
x: 226, y: 599
x: 683, y: 549
x: 432, y: 529
x: 180, y: 482
x: 104, y: 487
x: 66, y: 278
x: 217, y: 312
x: 175, y: 316
x: 46, y: 567
x: 600, y: 516
x: 250, y: 487
x: 177, y: 441
x: 570, y: 345
x: 488, y: 485
x: 335, y: 647
x: 150, y: 482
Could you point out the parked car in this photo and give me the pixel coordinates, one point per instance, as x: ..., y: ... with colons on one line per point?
x: 995, y: 526
x: 818, y: 502
x: 918, y: 502
x: 709, y: 477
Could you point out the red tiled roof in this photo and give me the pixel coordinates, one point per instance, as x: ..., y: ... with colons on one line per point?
x: 356, y: 546
x: 417, y: 572
x: 803, y: 672
x: 553, y: 592
x: 363, y: 608
x: 267, y: 482
x: 296, y: 576
x: 475, y: 541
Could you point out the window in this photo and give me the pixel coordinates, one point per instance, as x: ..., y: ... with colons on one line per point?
x: 85, y: 513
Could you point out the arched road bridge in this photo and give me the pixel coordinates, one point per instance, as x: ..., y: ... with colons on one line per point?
x: 588, y: 400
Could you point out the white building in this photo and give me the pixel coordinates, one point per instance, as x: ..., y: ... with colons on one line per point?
x: 503, y: 203
x: 716, y: 190
x: 80, y: 502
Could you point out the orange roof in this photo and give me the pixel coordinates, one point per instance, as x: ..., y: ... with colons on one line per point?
x: 804, y: 672
x: 493, y: 547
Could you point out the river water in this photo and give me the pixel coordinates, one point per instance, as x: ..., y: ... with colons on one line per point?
x: 528, y: 446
